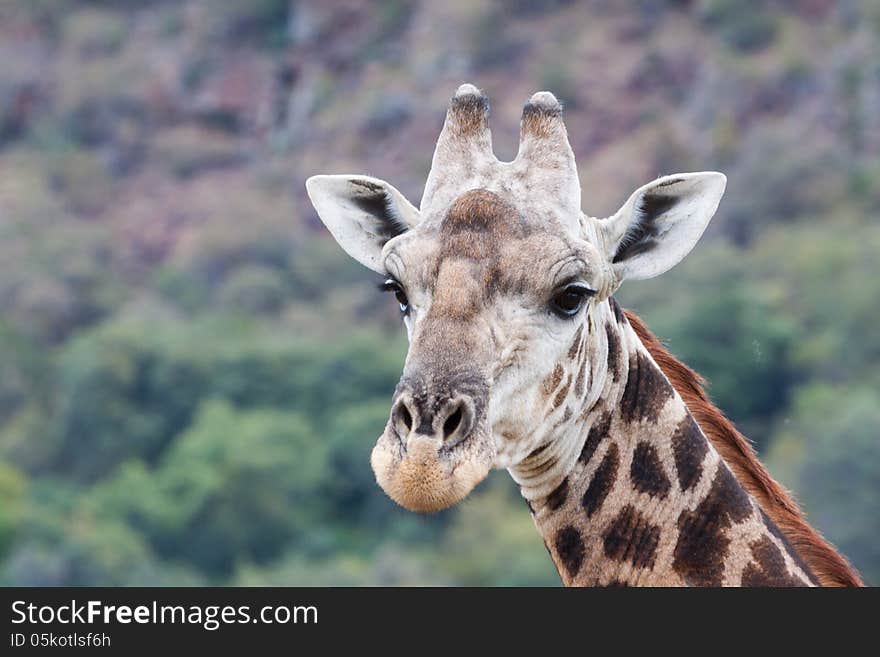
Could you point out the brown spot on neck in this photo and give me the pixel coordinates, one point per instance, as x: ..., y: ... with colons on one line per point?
x: 768, y: 568
x: 598, y: 431
x: 632, y: 537
x: 689, y: 448
x: 570, y: 549
x: 614, y: 352
x: 646, y: 390
x: 557, y: 498
x: 646, y: 471
x: 703, y: 542
x: 602, y: 481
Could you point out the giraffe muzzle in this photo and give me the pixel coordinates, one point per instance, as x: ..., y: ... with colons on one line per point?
x: 434, y: 450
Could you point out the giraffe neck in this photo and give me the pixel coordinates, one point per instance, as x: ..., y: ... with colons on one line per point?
x: 627, y: 490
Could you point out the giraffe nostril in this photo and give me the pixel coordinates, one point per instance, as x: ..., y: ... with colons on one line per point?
x: 402, y: 419
x: 452, y: 423
x: 406, y: 418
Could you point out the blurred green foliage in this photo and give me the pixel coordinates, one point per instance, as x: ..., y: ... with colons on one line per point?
x: 192, y: 373
x: 830, y: 440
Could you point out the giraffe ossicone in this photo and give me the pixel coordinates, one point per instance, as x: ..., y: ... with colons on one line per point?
x: 519, y: 357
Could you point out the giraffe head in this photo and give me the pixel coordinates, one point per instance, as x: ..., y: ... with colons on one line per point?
x: 497, y: 274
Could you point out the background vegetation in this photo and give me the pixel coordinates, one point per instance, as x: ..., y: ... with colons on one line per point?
x: 192, y: 374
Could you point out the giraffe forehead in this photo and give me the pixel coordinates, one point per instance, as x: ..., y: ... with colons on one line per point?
x: 484, y: 244
x: 484, y: 219
x: 505, y: 247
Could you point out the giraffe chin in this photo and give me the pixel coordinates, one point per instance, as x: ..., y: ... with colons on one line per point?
x: 425, y: 478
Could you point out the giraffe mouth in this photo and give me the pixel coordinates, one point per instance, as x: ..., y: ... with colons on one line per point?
x: 422, y: 474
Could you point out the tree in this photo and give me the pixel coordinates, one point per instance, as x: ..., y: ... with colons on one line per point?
x: 828, y: 451
x: 235, y: 485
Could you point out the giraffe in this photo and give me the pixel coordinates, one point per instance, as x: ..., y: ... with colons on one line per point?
x: 520, y: 358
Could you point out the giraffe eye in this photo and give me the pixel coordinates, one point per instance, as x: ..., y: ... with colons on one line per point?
x: 390, y: 285
x: 568, y: 300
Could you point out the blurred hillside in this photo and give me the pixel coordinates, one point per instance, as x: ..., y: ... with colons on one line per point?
x: 192, y: 374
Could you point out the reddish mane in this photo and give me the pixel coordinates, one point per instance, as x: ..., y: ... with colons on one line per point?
x: 828, y: 565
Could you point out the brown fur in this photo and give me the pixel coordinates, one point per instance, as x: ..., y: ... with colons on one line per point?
x: 539, y: 120
x: 471, y: 115
x: 831, y: 568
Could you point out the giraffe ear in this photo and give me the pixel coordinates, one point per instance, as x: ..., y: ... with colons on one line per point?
x: 362, y: 213
x: 660, y: 223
